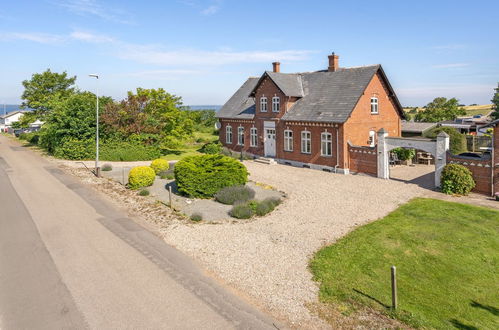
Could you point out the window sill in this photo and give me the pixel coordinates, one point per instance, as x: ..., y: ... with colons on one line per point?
x: 327, y: 156
x: 374, y: 113
x: 288, y: 150
x: 306, y: 153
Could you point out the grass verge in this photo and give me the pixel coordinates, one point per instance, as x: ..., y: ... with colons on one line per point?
x: 447, y: 257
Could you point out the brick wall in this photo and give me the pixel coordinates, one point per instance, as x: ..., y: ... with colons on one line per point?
x: 495, y: 162
x: 481, y: 170
x: 247, y: 124
x: 363, y: 159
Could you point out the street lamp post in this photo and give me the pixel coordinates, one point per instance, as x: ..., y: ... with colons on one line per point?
x: 97, y: 167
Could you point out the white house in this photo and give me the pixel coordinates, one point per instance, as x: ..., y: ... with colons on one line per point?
x: 7, y: 120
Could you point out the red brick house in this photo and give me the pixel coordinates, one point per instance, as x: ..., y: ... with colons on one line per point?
x: 308, y: 119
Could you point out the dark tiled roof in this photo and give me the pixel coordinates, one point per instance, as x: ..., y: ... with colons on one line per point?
x: 240, y: 105
x: 323, y: 96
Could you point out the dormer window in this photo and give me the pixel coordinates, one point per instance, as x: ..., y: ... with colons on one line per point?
x: 374, y: 105
x: 276, y: 104
x: 263, y: 104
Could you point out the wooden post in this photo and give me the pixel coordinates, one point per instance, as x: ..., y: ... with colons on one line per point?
x: 394, y: 287
x: 123, y: 175
x: 170, y: 193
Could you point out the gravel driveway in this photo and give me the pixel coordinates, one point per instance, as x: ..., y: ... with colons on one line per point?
x: 268, y: 258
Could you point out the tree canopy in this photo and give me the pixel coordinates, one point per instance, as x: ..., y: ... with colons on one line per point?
x: 440, y: 109
x: 42, y: 87
x: 495, y: 102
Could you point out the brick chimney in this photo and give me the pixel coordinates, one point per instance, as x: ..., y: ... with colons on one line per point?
x: 276, y: 66
x: 333, y: 63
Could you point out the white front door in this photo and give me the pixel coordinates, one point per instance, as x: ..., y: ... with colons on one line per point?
x: 269, y: 142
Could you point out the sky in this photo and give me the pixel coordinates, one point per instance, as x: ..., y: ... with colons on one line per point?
x: 203, y: 50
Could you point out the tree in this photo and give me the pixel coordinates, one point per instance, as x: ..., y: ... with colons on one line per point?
x: 26, y: 119
x: 457, y: 141
x: 440, y: 109
x: 495, y: 103
x: 42, y: 87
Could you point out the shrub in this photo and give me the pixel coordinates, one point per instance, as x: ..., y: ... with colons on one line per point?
x: 267, y: 206
x: 170, y: 176
x: 33, y: 138
x: 203, y: 176
x: 196, y: 217
x: 457, y: 141
x: 144, y: 192
x: 141, y: 176
x: 211, y: 148
x: 234, y: 194
x: 107, y: 167
x: 74, y: 149
x: 128, y: 151
x: 241, y: 211
x: 456, y: 179
x: 404, y: 153
x: 159, y: 165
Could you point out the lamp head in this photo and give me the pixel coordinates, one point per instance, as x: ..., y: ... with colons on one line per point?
x: 94, y: 75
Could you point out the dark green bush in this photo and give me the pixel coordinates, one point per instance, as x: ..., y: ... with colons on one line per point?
x: 456, y: 179
x: 267, y: 206
x: 234, y: 194
x: 127, y: 151
x: 23, y: 136
x: 196, y: 217
x: 241, y: 211
x: 203, y: 176
x: 107, y: 167
x: 74, y: 149
x: 33, y: 138
x: 144, y: 192
x: 211, y: 148
x: 457, y: 141
x: 404, y: 153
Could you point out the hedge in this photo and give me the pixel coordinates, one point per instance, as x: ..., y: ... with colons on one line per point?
x: 203, y: 176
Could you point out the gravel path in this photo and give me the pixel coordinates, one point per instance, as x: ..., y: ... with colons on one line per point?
x: 268, y: 257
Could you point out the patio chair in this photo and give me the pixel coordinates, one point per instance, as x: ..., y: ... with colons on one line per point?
x: 394, y: 159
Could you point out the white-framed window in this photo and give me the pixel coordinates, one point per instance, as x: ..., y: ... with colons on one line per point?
x: 374, y: 105
x: 228, y: 134
x: 263, y: 104
x: 306, y: 142
x: 326, y: 144
x: 288, y: 140
x: 240, y: 135
x: 371, y: 141
x: 253, y: 137
x: 276, y: 104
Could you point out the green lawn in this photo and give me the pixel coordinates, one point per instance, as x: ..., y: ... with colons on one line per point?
x: 447, y: 259
x: 192, y: 146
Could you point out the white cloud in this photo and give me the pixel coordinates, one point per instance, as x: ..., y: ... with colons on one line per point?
x: 42, y: 38
x: 154, y: 55
x: 93, y: 8
x: 212, y: 8
x: 450, y: 65
x: 90, y: 37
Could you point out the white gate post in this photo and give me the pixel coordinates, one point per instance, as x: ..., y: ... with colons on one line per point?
x: 382, y: 155
x: 441, y: 155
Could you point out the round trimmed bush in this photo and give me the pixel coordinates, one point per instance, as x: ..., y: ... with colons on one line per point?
x: 141, y: 176
x: 456, y: 179
x: 107, y: 167
x: 159, y: 165
x: 241, y: 211
x: 234, y: 194
x: 196, y: 217
x: 144, y: 192
x: 203, y: 176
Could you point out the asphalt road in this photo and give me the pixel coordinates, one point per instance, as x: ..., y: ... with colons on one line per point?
x: 70, y: 260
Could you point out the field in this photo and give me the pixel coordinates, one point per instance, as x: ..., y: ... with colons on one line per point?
x: 447, y: 257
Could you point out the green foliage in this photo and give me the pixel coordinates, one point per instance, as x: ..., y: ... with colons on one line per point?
x: 33, y: 137
x: 440, y: 109
x: 446, y: 258
x: 141, y: 176
x: 144, y: 192
x: 107, y: 167
x: 26, y: 119
x: 43, y: 87
x: 196, y: 217
x: 495, y: 102
x: 159, y: 165
x: 234, y: 194
x: 242, y: 211
x: 203, y: 176
x: 267, y: 206
x: 457, y: 179
x: 211, y: 148
x: 128, y: 151
x: 457, y: 141
x: 204, y: 120
x: 404, y: 153
x: 168, y: 175
x: 74, y: 149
